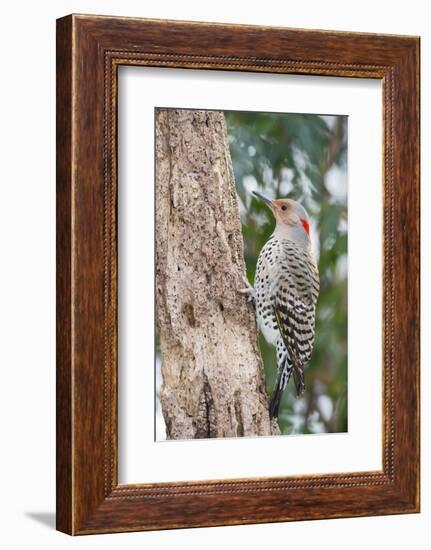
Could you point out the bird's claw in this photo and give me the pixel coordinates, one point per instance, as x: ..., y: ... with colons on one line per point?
x: 249, y: 290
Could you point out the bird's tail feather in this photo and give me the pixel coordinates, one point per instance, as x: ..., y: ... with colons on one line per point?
x: 275, y: 402
x: 298, y: 376
x: 282, y: 380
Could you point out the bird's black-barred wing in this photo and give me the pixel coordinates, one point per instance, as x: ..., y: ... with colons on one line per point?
x: 294, y: 300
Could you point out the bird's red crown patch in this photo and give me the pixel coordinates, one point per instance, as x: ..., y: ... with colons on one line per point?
x: 306, y: 226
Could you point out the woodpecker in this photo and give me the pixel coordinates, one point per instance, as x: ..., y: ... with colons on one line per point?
x: 285, y: 293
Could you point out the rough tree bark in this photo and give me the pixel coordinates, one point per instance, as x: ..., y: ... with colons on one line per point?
x: 213, y: 381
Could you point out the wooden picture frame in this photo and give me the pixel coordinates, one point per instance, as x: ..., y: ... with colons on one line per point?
x: 89, y: 51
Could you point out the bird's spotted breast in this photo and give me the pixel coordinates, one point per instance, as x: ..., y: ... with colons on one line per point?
x: 287, y: 286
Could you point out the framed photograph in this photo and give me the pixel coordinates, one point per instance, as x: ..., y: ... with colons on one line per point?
x: 237, y: 274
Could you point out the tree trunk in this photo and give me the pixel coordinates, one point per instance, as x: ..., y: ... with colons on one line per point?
x: 213, y: 381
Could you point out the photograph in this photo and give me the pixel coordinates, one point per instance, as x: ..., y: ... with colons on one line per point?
x: 214, y: 318
x: 251, y: 273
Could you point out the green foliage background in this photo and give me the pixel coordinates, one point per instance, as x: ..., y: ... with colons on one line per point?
x: 303, y: 157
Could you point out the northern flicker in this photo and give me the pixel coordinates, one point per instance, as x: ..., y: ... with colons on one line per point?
x: 285, y: 293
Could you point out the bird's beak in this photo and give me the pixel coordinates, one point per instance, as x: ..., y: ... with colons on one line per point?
x: 266, y: 200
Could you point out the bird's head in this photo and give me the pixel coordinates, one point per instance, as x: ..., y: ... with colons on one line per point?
x: 292, y: 220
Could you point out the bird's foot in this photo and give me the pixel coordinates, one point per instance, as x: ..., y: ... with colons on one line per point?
x: 249, y: 291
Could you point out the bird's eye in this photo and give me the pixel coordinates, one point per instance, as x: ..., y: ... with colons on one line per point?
x: 284, y: 207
